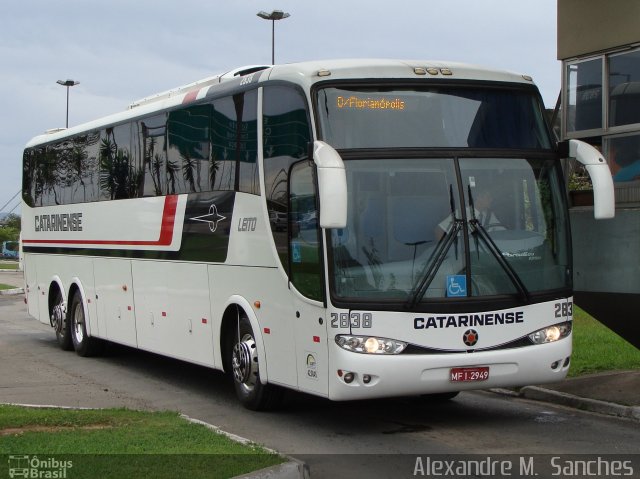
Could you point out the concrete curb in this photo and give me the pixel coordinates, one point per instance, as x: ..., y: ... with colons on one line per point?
x: 11, y: 291
x: 593, y: 405
x: 536, y: 393
x: 293, y: 469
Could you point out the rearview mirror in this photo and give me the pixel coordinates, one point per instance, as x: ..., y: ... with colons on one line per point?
x: 604, y: 203
x: 332, y: 186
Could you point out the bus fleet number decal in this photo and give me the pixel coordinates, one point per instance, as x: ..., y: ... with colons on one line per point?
x: 354, y: 320
x: 563, y: 310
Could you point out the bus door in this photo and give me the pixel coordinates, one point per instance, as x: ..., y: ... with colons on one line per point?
x: 307, y: 281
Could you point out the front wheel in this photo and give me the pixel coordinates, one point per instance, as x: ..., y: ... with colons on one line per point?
x: 82, y: 343
x: 246, y: 371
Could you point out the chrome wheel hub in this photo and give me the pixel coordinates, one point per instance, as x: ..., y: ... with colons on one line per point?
x: 245, y: 362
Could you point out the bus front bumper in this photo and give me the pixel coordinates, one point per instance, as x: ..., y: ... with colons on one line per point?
x: 362, y: 376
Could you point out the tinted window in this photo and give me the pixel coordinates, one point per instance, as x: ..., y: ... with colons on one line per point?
x: 150, y: 147
x: 117, y: 177
x: 189, y: 147
x: 286, y: 136
x: 584, y: 95
x: 624, y: 89
x: 234, y: 143
x: 473, y: 117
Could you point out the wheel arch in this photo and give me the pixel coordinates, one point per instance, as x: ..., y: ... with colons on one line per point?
x: 55, y: 284
x: 234, y: 306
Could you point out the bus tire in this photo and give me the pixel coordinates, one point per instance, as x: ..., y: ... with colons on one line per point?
x: 60, y: 322
x: 83, y: 344
x: 245, y: 369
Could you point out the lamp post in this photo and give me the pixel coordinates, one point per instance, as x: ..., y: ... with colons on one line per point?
x: 273, y: 16
x: 67, y: 83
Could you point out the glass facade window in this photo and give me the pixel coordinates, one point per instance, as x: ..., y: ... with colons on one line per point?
x: 624, y: 89
x: 584, y: 95
x: 624, y: 157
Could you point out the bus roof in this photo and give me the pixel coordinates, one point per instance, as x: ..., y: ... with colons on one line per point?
x: 305, y: 74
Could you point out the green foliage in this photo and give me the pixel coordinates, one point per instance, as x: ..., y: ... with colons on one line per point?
x: 580, y: 180
x: 10, y: 228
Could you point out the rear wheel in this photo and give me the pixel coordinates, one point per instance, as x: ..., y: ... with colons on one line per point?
x: 82, y: 343
x: 60, y: 322
x: 246, y: 370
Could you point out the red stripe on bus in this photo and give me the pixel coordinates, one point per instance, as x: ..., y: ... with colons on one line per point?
x: 165, y: 238
x: 191, y: 96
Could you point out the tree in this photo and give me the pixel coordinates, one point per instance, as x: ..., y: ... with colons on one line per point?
x: 10, y: 228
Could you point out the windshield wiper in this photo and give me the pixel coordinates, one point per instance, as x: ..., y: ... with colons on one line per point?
x: 479, y: 231
x: 437, y: 257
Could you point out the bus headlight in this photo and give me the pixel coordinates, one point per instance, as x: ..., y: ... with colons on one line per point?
x: 370, y: 344
x: 551, y: 333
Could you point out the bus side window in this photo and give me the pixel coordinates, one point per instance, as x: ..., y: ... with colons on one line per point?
x: 304, y: 248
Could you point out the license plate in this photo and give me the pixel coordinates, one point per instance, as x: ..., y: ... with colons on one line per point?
x: 459, y: 375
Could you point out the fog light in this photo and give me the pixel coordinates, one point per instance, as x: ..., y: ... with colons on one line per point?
x: 555, y: 365
x: 348, y: 378
x: 366, y: 379
x: 566, y: 362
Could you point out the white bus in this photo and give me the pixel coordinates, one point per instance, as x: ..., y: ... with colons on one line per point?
x: 350, y: 229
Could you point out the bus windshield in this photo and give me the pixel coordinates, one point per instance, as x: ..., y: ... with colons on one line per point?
x: 430, y: 226
x: 435, y: 117
x: 415, y: 233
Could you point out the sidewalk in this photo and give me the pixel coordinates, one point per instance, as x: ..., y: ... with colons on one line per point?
x: 616, y: 393
x: 12, y: 278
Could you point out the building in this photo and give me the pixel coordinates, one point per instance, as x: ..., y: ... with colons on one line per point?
x: 599, y: 46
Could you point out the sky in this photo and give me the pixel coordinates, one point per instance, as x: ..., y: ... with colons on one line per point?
x: 124, y: 50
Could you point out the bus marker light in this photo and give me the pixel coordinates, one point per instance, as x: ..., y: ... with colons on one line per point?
x: 257, y: 304
x: 316, y: 339
x: 339, y: 372
x: 432, y: 71
x: 267, y: 330
x: 164, y: 314
x: 419, y: 71
x: 204, y: 320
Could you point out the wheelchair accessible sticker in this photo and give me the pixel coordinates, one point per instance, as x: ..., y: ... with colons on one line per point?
x: 456, y: 285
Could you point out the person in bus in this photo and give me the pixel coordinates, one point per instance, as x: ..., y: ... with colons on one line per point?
x: 482, y: 201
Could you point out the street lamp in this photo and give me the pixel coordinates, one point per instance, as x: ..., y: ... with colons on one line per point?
x: 67, y: 83
x: 273, y: 16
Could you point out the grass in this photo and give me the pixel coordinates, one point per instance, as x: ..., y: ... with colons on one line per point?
x: 596, y: 348
x: 114, y: 443
x: 10, y: 266
x: 5, y: 286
